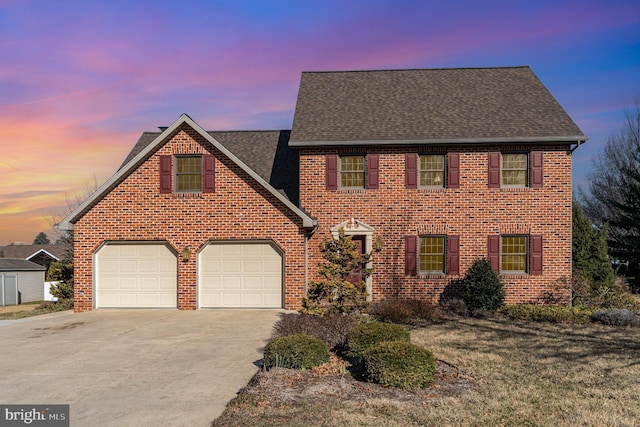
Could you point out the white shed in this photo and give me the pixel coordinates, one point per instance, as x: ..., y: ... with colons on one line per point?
x: 20, y: 281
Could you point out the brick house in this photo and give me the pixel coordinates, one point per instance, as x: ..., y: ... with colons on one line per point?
x: 427, y: 169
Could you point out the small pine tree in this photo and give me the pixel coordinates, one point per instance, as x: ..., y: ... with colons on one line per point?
x: 589, y: 251
x: 338, y: 292
x: 482, y: 287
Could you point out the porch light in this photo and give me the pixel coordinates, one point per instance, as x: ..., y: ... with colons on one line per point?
x: 377, y: 245
x: 186, y: 254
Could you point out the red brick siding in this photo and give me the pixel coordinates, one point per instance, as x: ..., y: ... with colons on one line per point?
x: 238, y: 209
x: 473, y: 211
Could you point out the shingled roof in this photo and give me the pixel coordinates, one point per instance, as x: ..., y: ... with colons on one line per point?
x: 428, y: 105
x: 265, y: 152
x: 12, y: 264
x: 28, y: 251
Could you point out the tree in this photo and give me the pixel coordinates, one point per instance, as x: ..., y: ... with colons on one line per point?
x: 41, y: 239
x: 343, y: 286
x: 589, y: 251
x: 613, y: 196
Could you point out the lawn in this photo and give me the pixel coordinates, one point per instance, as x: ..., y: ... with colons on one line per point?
x: 500, y: 372
x: 29, y: 309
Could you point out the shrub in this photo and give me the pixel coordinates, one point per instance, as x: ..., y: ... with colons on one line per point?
x: 339, y: 291
x: 454, y: 306
x: 404, y: 311
x: 331, y: 328
x: 60, y: 305
x: 482, y: 287
x: 364, y: 336
x: 297, y: 351
x: 547, y: 313
x: 63, y: 290
x: 617, y: 317
x: 399, y: 364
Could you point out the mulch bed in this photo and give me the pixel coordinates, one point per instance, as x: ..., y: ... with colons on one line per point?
x: 333, y: 381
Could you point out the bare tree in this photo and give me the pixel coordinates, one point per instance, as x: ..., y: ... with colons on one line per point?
x: 613, y: 196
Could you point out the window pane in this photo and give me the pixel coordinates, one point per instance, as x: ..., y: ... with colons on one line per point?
x: 514, y: 253
x: 189, y: 173
x: 432, y: 170
x: 514, y: 169
x: 432, y: 254
x: 352, y: 171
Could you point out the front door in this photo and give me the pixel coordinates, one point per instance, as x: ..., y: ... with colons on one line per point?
x: 356, y: 276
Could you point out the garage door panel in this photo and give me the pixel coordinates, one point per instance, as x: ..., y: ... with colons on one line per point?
x: 136, y: 275
x: 232, y: 266
x: 252, y: 266
x: 243, y: 274
x: 231, y: 283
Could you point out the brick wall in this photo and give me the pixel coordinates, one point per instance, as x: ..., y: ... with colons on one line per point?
x: 473, y: 211
x: 239, y: 209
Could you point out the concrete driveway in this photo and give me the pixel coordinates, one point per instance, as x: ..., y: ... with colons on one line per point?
x: 133, y: 367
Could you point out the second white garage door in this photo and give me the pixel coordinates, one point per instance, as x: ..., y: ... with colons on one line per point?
x: 246, y: 274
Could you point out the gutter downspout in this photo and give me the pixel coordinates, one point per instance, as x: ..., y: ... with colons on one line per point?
x: 306, y: 255
x: 576, y: 147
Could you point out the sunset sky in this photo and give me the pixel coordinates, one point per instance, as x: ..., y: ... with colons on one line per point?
x: 80, y: 80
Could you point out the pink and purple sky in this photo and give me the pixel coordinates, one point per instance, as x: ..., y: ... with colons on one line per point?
x: 80, y: 80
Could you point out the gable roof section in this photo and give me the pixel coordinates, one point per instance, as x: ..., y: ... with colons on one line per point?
x: 29, y: 251
x: 12, y: 264
x: 266, y: 152
x: 465, y: 105
x: 144, y: 149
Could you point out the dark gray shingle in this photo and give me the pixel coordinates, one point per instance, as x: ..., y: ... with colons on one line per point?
x: 427, y: 104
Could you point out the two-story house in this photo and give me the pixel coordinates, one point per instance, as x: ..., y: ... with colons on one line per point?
x: 426, y: 169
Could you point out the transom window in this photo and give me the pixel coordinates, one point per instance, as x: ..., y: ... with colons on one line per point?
x: 188, y: 173
x: 513, y: 255
x: 514, y: 170
x: 431, y: 254
x: 432, y: 170
x: 352, y: 171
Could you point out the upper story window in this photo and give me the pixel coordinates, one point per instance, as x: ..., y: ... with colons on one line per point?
x: 514, y: 170
x: 432, y: 170
x: 352, y: 171
x: 188, y: 174
x: 431, y: 255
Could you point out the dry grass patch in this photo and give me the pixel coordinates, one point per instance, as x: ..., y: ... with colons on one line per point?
x: 497, y: 372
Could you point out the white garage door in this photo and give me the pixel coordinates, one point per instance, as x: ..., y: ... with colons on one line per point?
x: 136, y: 275
x: 240, y: 275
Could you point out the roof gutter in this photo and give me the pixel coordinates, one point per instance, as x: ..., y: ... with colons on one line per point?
x: 434, y: 141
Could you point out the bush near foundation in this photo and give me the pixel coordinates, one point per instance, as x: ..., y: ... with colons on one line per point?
x: 406, y: 312
x: 547, y: 313
x: 330, y: 328
x: 298, y: 351
x: 399, y: 364
x: 366, y: 335
x: 482, y: 287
